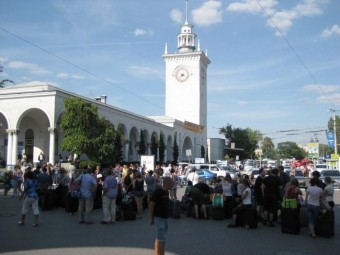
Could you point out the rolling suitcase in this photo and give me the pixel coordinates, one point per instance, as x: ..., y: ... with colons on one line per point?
x: 175, y: 209
x: 303, y: 216
x: 218, y: 213
x: 290, y: 221
x: 250, y: 218
x: 128, y: 207
x: 217, y: 201
x: 324, y: 225
x: 228, y: 207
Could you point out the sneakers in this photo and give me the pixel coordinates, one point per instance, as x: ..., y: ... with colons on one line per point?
x: 21, y: 223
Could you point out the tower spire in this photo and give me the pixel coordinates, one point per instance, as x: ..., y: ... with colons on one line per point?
x: 186, y: 12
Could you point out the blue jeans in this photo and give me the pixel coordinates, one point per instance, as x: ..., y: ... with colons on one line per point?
x: 161, y: 225
x: 312, y: 213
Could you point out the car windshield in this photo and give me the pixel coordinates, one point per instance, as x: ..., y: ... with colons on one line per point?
x: 200, y: 172
x: 255, y: 172
x: 330, y: 173
x: 298, y: 173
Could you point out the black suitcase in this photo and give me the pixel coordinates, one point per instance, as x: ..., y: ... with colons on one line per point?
x: 290, y: 221
x: 128, y: 212
x: 175, y: 209
x: 324, y: 225
x: 228, y: 207
x: 250, y: 218
x: 240, y: 219
x: 218, y: 213
x: 47, y: 201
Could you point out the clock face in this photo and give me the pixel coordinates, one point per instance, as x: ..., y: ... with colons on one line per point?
x: 182, y: 74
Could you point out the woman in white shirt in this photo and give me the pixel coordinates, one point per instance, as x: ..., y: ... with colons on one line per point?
x: 313, y: 195
x: 328, y: 191
x: 246, y: 203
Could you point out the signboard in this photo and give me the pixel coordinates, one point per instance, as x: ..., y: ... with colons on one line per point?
x: 330, y: 138
x: 148, y: 161
x: 313, y: 150
x: 188, y: 153
x: 199, y: 160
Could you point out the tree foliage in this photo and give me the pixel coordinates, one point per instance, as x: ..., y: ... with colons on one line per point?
x: 87, y: 133
x: 154, y: 146
x: 161, y: 149
x: 290, y: 150
x: 268, y: 148
x: 175, y: 149
x: 245, y: 139
x: 142, y: 143
x: 4, y: 82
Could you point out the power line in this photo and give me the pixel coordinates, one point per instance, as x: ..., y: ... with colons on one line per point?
x: 81, y: 68
x: 294, y: 51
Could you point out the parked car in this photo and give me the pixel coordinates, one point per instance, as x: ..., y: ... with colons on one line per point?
x: 230, y: 170
x: 321, y: 167
x: 334, y: 174
x: 255, y: 172
x: 204, y: 175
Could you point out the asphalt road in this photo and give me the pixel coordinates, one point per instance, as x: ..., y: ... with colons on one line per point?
x: 60, y: 233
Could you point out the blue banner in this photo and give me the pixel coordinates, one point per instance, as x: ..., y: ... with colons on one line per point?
x: 330, y: 137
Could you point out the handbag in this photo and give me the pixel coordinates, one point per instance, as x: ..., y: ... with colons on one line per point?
x: 75, y: 189
x: 289, y: 203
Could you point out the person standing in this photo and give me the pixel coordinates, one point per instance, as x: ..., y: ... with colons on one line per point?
x: 328, y: 191
x: 110, y: 191
x: 31, y: 199
x: 41, y: 158
x: 138, y: 192
x: 88, y: 187
x: 158, y: 214
x: 313, y: 195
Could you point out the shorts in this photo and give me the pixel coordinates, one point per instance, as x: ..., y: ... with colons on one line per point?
x: 161, y: 225
x: 198, y: 197
x: 28, y: 202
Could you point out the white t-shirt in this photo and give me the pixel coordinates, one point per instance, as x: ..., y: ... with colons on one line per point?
x: 227, y: 191
x: 330, y: 192
x: 313, y: 195
x: 247, y: 199
x: 193, y: 177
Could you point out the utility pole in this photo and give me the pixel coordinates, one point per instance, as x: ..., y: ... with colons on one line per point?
x: 334, y: 128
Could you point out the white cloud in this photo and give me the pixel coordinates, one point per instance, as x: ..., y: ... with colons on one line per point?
x: 332, y: 98
x: 281, y: 20
x: 77, y: 77
x: 242, y: 102
x: 141, y: 32
x: 32, y: 68
x: 176, y: 16
x: 209, y: 13
x: 62, y: 75
x: 335, y: 29
x: 321, y: 88
x: 143, y: 70
x: 3, y: 59
x: 252, y: 6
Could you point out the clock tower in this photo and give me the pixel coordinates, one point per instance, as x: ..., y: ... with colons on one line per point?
x: 186, y: 79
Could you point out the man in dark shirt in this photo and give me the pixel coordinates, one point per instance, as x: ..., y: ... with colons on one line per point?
x: 271, y: 191
x: 159, y: 212
x: 258, y: 192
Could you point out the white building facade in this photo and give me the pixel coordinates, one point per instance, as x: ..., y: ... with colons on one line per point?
x: 30, y: 113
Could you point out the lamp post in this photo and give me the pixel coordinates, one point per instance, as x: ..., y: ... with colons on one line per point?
x: 334, y: 128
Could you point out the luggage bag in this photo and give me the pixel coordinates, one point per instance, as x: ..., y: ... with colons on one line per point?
x: 250, y: 218
x: 218, y: 213
x: 324, y: 225
x: 175, y: 209
x: 290, y: 221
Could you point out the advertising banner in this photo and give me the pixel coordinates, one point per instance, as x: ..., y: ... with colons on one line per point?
x: 330, y: 138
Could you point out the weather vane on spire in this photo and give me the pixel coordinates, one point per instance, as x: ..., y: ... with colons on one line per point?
x: 186, y: 11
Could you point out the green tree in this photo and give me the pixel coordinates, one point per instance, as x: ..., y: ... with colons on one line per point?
x: 175, y: 150
x: 202, y: 151
x: 268, y: 148
x: 85, y: 132
x: 142, y: 144
x: 118, y: 154
x: 245, y: 139
x: 290, y: 150
x: 4, y: 82
x: 154, y: 146
x: 161, y: 149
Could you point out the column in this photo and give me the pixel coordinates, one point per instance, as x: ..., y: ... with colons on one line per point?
x: 14, y: 146
x: 9, y: 147
x: 52, y: 145
x: 165, y: 155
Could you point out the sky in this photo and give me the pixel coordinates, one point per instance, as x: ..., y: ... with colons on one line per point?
x: 275, y: 64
